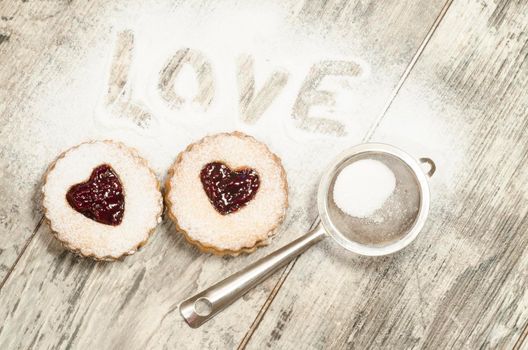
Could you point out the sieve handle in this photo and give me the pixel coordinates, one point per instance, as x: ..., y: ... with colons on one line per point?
x: 203, y: 306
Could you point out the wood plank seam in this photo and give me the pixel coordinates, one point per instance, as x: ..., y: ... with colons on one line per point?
x: 270, y: 298
x: 256, y: 322
x: 409, y: 68
x: 28, y: 241
x: 522, y: 338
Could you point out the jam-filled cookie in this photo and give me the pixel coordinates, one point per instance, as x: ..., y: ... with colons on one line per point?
x: 101, y: 200
x: 227, y: 193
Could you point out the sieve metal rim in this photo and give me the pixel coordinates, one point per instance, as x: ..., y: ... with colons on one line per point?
x: 331, y: 172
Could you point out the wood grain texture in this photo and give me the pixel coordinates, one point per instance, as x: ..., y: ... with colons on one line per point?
x: 461, y: 285
x: 32, y: 55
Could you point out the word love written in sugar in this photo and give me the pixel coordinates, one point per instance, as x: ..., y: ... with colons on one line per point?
x: 252, y: 102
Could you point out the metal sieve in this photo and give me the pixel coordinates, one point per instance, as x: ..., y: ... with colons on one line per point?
x: 392, y: 227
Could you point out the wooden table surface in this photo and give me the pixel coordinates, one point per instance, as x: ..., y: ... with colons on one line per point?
x: 439, y: 78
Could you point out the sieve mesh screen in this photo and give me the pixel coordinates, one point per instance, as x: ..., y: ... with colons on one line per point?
x: 393, y: 220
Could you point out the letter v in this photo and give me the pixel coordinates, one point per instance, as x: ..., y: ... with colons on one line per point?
x: 252, y: 106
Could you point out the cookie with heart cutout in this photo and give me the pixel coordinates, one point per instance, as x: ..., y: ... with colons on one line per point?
x: 101, y: 200
x: 227, y: 193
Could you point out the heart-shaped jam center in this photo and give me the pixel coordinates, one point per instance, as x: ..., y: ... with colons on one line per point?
x: 100, y: 198
x: 229, y: 190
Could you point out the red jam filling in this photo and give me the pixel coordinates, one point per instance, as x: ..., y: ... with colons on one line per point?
x: 229, y: 190
x: 100, y: 198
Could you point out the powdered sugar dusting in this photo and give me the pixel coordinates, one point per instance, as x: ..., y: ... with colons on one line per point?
x: 76, y: 100
x: 244, y: 228
x: 143, y: 204
x: 362, y: 187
